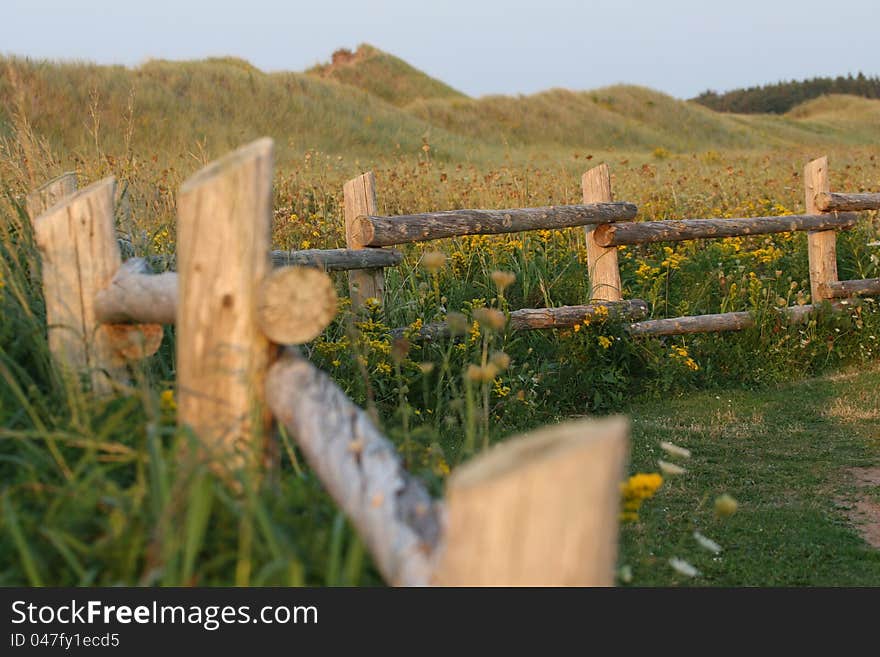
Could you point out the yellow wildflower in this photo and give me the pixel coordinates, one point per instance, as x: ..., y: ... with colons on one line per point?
x: 725, y: 505
x: 167, y: 401
x: 441, y: 468
x: 636, y: 490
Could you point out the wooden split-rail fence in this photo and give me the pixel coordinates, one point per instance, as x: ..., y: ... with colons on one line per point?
x: 538, y: 509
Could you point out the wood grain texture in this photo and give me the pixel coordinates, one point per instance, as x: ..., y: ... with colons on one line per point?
x: 40, y: 200
x: 644, y: 232
x: 224, y: 229
x: 49, y: 194
x: 735, y: 321
x: 361, y: 469
x: 359, y: 196
x: 840, y: 202
x: 538, y: 510
x: 295, y: 304
x: 821, y: 244
x: 338, y: 259
x: 602, y: 263
x: 371, y: 230
x: 77, y: 241
x: 863, y: 287
x: 532, y: 319
x: 719, y: 322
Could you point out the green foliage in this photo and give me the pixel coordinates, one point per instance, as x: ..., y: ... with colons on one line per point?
x: 781, y: 97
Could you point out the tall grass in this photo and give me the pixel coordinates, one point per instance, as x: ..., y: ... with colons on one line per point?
x: 94, y: 491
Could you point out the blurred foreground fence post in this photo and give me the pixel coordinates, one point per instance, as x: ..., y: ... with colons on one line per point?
x: 224, y: 233
x: 43, y: 198
x: 80, y: 255
x: 40, y: 200
x: 359, y: 195
x: 821, y: 244
x: 538, y: 510
x: 601, y: 261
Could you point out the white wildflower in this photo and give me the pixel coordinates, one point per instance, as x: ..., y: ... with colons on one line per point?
x: 707, y: 543
x: 683, y: 567
x: 675, y: 450
x: 668, y: 468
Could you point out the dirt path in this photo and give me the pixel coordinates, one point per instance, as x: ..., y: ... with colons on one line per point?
x: 865, y: 513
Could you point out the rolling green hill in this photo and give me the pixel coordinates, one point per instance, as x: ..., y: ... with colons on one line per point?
x: 369, y: 103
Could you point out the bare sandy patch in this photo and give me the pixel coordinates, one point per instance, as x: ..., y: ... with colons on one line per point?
x: 865, y: 513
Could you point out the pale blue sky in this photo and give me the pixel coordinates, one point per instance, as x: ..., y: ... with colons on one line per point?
x: 494, y: 46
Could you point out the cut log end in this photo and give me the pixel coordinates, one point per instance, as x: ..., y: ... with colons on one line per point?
x: 130, y: 342
x: 362, y: 233
x: 295, y: 304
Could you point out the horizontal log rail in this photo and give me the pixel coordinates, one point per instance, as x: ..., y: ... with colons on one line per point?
x: 326, y: 259
x: 136, y: 295
x: 844, y: 289
x: 735, y: 321
x: 298, y: 302
x: 362, y: 470
x: 643, y: 232
x: 837, y: 201
x: 531, y: 319
x: 371, y: 230
x: 338, y: 259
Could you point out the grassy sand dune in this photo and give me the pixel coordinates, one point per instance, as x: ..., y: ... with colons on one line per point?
x: 383, y: 75
x: 373, y: 104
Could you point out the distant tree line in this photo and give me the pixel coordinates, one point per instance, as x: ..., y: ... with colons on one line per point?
x: 780, y: 97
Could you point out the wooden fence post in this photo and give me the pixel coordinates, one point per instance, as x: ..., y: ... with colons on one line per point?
x: 601, y: 261
x: 540, y: 510
x: 821, y: 244
x: 359, y: 195
x: 77, y: 240
x: 49, y: 194
x: 224, y: 233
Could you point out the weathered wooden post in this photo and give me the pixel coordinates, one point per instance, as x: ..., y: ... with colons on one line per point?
x: 359, y: 195
x: 224, y: 232
x: 43, y: 198
x: 821, y: 244
x: 40, y: 200
x: 539, y: 510
x: 601, y: 261
x: 77, y: 240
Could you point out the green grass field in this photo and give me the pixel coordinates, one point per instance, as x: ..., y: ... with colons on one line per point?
x: 776, y: 416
